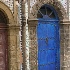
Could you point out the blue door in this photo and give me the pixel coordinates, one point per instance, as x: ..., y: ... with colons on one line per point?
x: 48, y: 43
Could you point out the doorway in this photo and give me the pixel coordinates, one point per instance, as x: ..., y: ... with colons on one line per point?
x: 3, y: 42
x: 48, y: 39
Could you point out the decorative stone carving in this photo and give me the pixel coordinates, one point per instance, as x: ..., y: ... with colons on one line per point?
x: 56, y: 4
x: 32, y: 29
x: 33, y: 44
x: 9, y: 3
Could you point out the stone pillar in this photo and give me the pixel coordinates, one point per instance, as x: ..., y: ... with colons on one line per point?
x: 65, y: 45
x: 32, y: 24
x: 12, y: 46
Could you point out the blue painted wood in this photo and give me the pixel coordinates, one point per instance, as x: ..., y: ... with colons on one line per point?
x: 48, y: 45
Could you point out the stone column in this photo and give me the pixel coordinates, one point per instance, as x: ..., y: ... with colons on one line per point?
x: 32, y: 24
x: 13, y: 32
x: 65, y: 45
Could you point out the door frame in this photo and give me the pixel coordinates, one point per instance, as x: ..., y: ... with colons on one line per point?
x: 13, y: 33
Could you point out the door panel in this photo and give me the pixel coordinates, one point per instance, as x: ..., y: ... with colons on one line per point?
x: 48, y: 45
x: 3, y: 49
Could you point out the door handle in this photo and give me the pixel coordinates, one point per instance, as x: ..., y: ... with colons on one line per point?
x: 46, y: 40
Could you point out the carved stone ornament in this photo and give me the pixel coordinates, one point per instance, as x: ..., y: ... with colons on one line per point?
x: 56, y: 4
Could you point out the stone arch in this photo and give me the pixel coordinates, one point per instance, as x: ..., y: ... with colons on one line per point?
x: 56, y: 4
x: 62, y: 14
x: 12, y: 36
x: 7, y: 12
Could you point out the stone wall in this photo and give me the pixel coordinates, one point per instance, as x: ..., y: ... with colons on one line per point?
x: 33, y: 48
x: 9, y: 3
x: 65, y: 46
x: 13, y: 52
x: 10, y: 9
x: 62, y: 9
x: 64, y: 34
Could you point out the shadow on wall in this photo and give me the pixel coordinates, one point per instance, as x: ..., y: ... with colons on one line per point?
x: 3, y: 17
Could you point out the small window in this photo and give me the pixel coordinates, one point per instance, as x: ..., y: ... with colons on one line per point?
x: 45, y: 10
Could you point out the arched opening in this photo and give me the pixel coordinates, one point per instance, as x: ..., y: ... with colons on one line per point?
x: 47, y: 10
x: 3, y: 42
x: 3, y: 18
x: 48, y: 39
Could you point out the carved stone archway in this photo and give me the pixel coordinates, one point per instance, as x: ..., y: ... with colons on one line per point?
x: 32, y: 22
x: 5, y: 9
x: 12, y: 36
x: 56, y: 4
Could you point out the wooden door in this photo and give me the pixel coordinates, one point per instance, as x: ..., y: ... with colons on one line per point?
x: 48, y: 39
x: 48, y: 45
x: 3, y: 48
